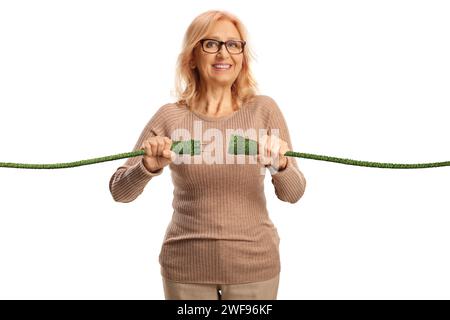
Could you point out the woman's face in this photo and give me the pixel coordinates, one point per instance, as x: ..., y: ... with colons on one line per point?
x: 222, y: 30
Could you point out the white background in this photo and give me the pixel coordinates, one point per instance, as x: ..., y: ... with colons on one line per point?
x: 366, y: 80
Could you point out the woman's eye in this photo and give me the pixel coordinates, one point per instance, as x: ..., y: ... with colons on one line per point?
x: 211, y: 44
x: 232, y: 44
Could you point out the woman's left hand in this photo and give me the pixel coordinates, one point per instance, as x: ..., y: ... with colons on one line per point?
x: 271, y: 152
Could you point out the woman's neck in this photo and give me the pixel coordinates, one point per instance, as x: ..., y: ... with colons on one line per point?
x: 215, y: 103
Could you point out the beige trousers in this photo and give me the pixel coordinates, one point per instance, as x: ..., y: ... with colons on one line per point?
x: 264, y: 290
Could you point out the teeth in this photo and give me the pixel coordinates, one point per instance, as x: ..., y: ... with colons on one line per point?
x: 222, y: 66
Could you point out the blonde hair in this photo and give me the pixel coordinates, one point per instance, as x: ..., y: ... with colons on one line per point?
x: 187, y: 80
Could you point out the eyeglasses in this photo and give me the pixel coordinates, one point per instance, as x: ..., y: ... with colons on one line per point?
x: 213, y: 46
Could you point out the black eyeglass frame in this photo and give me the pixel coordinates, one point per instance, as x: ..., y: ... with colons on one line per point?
x: 222, y: 43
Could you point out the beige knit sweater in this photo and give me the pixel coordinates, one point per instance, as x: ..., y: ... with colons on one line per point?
x: 220, y: 231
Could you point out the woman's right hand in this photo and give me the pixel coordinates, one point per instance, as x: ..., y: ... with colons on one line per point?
x: 157, y: 153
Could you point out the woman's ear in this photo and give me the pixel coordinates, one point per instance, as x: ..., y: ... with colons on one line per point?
x: 192, y: 59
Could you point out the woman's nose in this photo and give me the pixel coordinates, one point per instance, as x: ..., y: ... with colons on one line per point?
x: 222, y: 50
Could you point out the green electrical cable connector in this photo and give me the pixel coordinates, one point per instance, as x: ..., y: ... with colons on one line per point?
x: 238, y: 145
x: 191, y: 147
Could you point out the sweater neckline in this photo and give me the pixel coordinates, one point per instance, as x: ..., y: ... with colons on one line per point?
x: 215, y: 119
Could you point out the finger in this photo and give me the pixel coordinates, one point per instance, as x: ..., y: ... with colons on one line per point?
x: 262, y: 145
x: 167, y: 145
x: 275, y: 148
x: 154, y: 146
x: 169, y: 154
x: 262, y: 149
x: 262, y: 159
x: 284, y: 147
x: 160, y: 146
x: 148, y: 148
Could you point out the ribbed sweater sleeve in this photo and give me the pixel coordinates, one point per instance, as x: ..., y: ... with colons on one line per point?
x: 290, y: 182
x: 130, y: 179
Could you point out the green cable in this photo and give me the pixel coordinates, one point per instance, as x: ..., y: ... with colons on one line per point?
x: 238, y: 145
x: 180, y: 147
x: 241, y: 145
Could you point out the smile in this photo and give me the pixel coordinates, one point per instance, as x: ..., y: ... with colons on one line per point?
x: 221, y: 66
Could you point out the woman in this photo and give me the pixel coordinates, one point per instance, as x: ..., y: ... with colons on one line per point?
x: 220, y: 243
